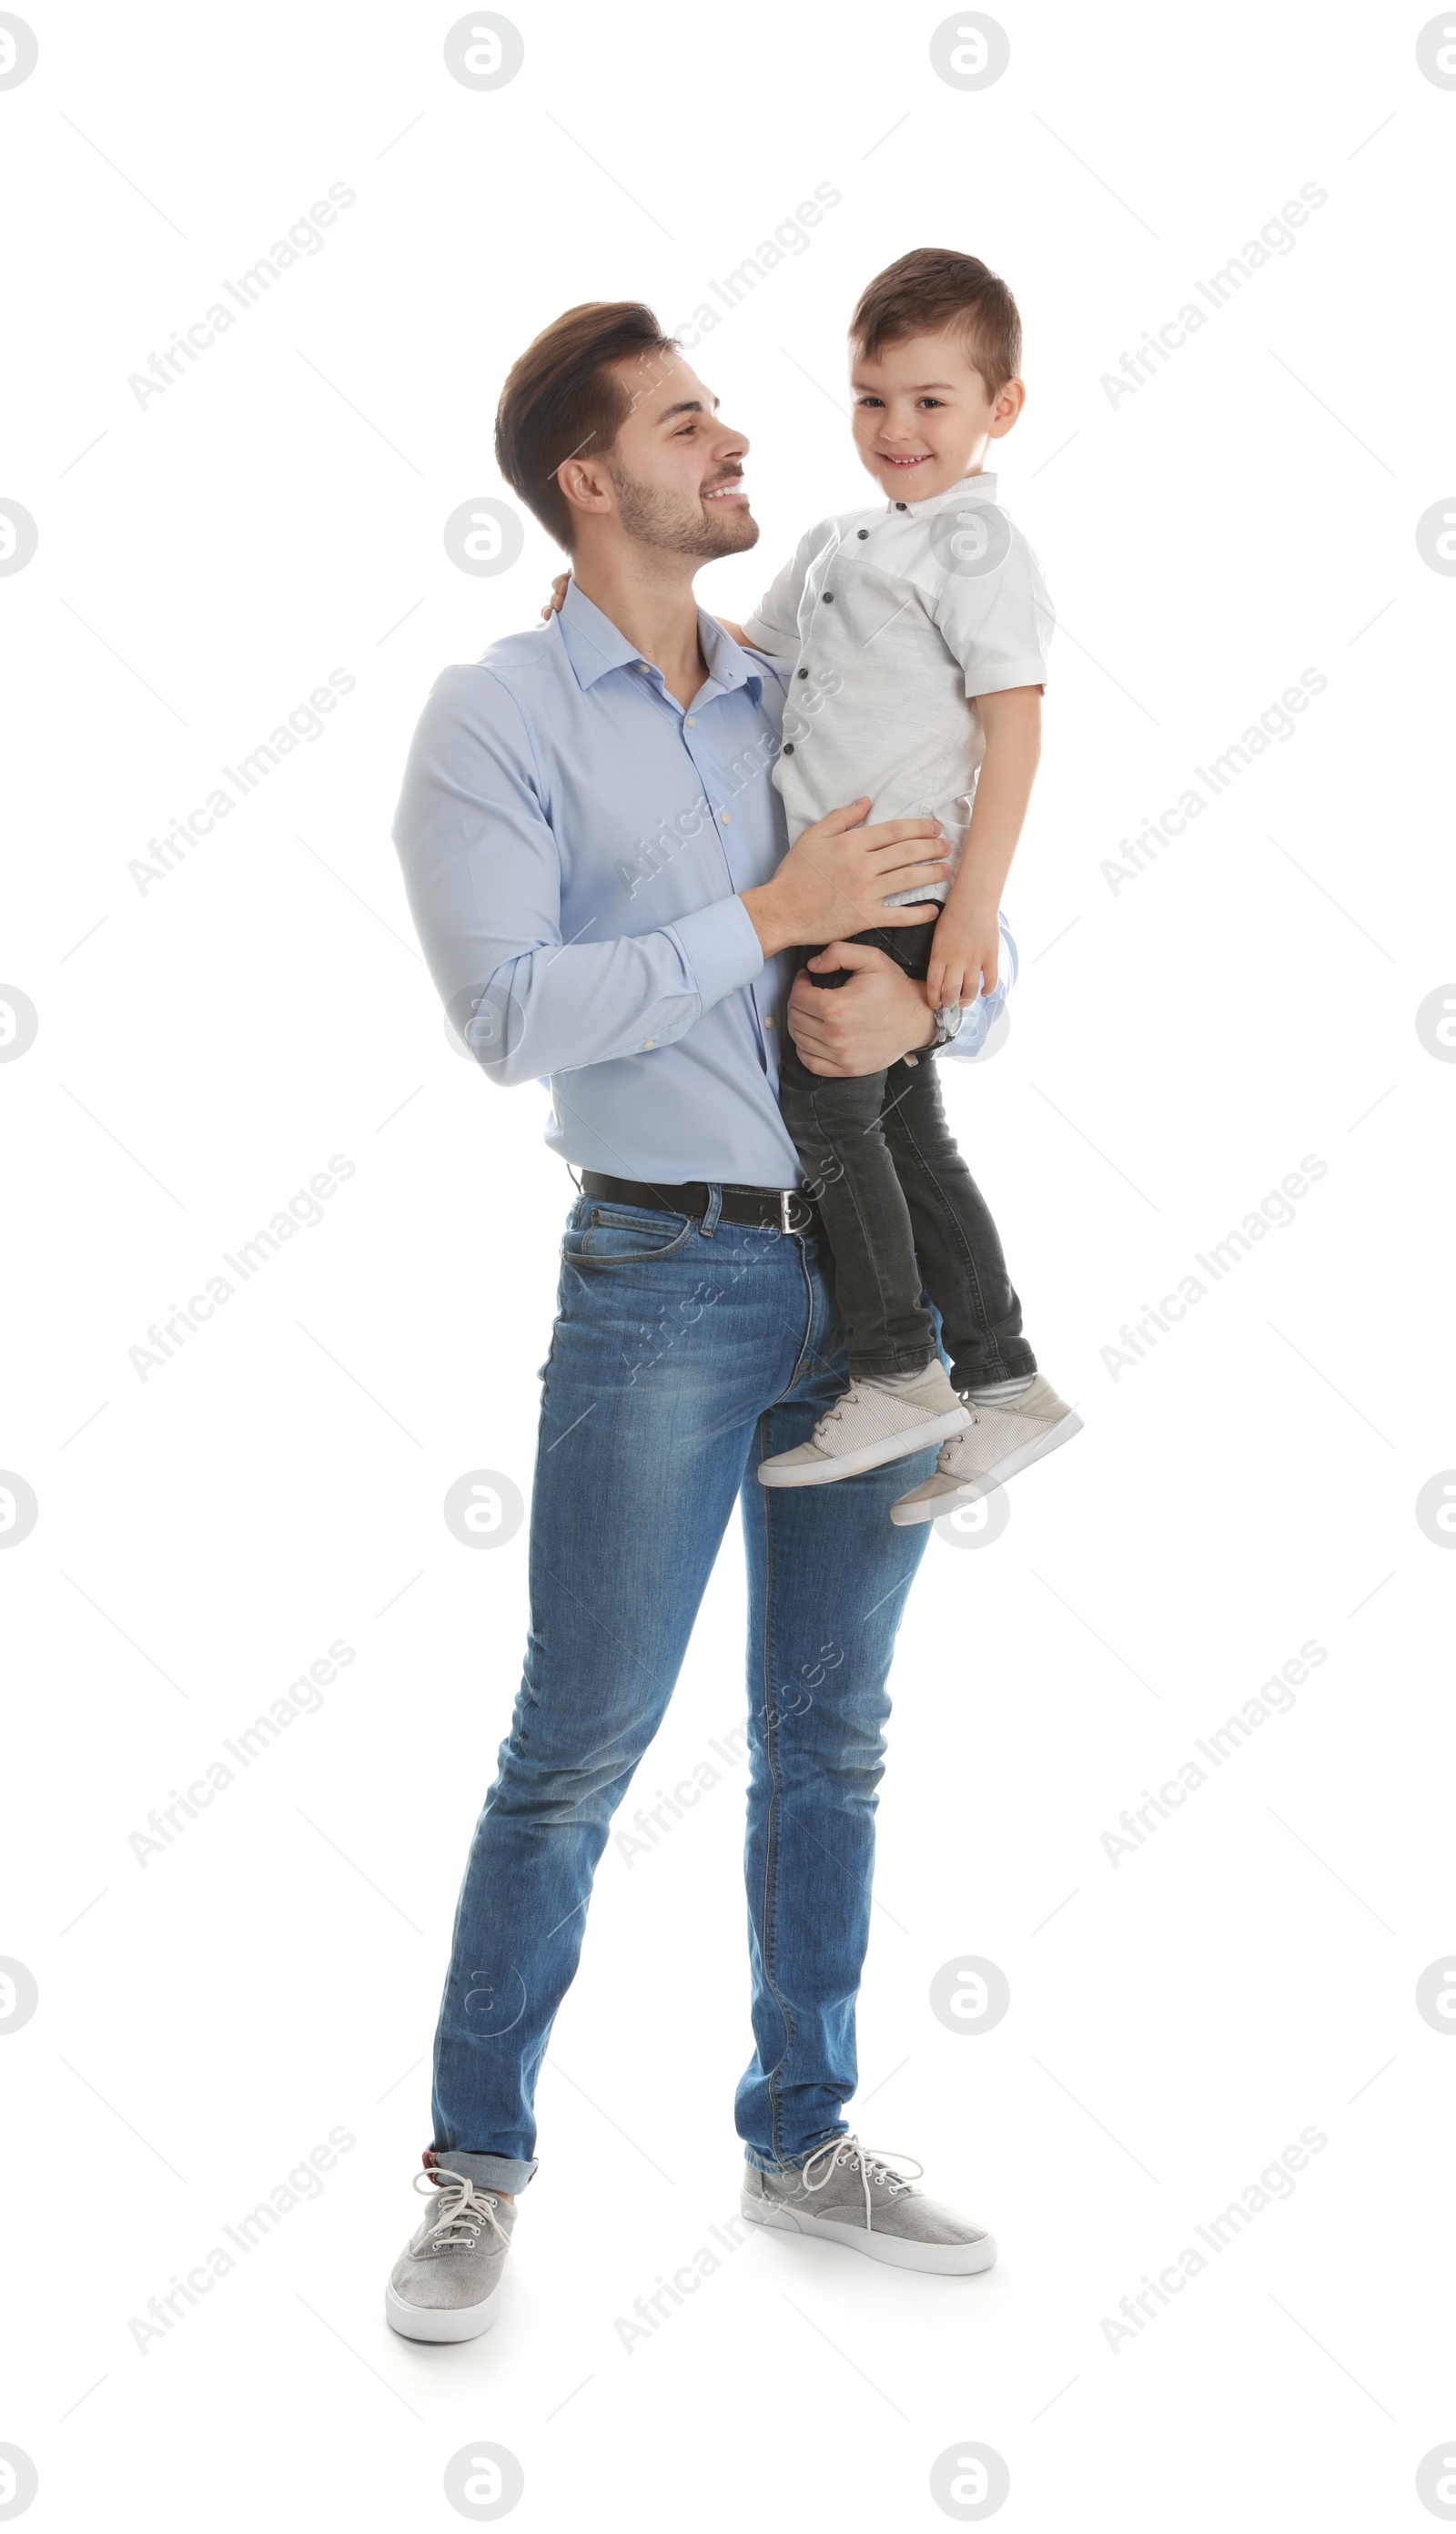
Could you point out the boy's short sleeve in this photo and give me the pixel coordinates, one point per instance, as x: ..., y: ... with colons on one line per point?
x: 774, y: 625
x: 992, y: 607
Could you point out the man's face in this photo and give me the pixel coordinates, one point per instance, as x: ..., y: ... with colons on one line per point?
x: 676, y: 470
x: 923, y: 420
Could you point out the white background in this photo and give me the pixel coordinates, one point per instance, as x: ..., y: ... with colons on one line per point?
x: 1178, y: 1044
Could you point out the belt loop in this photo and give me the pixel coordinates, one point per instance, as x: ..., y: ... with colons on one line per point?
x: 711, y: 1211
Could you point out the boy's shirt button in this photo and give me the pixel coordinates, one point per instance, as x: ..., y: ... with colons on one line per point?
x: 788, y: 747
x: 864, y: 533
x: 828, y: 598
x: 804, y: 673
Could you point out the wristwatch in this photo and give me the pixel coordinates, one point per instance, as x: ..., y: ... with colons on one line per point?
x: 948, y: 1019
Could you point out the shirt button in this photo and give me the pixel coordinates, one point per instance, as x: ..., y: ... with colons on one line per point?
x: 768, y: 1021
x: 649, y: 1042
x: 723, y: 815
x: 788, y: 747
x: 828, y: 598
x: 864, y: 533
x: 902, y: 506
x: 692, y: 721
x: 804, y: 673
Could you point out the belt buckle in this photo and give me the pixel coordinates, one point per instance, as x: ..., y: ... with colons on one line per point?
x: 788, y: 1198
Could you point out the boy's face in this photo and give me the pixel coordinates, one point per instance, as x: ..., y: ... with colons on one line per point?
x: 923, y: 420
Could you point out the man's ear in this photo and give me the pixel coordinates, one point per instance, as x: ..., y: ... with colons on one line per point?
x: 585, y: 484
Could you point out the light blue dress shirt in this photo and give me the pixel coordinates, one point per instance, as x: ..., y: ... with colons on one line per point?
x: 573, y: 841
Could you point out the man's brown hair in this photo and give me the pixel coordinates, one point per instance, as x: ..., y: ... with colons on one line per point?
x: 935, y: 287
x: 564, y: 400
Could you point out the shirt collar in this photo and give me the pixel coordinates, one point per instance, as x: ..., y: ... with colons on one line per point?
x: 971, y: 488
x: 727, y: 665
x: 595, y: 645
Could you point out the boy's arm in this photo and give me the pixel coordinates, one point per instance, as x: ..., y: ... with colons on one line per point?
x: 966, y: 946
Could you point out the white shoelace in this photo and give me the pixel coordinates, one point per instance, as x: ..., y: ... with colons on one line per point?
x: 873, y: 2167
x: 463, y: 2211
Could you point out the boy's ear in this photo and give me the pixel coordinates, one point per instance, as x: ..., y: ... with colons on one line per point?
x: 1009, y: 404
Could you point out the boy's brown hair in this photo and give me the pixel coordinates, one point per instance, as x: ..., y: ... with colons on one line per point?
x: 563, y: 399
x: 935, y: 287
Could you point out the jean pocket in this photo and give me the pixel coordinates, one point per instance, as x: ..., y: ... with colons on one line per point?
x: 620, y: 1235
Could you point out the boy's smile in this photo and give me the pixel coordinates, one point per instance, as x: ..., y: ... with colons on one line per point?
x: 923, y: 420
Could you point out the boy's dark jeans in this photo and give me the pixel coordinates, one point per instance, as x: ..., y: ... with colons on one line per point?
x: 903, y: 1214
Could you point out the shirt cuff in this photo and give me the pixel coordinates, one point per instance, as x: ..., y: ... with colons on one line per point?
x: 768, y: 637
x: 999, y: 681
x: 719, y: 947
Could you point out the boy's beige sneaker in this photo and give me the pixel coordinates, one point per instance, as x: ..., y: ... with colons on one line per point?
x: 869, y: 1425
x: 998, y: 1443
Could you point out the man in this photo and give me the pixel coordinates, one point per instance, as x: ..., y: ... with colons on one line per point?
x: 595, y: 856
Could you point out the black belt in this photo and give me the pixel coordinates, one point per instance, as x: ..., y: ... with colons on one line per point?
x: 769, y: 1209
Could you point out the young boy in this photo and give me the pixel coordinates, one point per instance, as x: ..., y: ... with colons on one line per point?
x: 920, y: 634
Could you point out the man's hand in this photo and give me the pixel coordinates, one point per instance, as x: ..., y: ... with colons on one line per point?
x: 836, y: 877
x: 866, y: 1025
x: 964, y: 950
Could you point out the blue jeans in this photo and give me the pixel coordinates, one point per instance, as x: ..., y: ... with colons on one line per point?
x: 685, y: 1350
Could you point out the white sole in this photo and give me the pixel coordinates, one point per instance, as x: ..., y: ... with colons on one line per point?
x: 932, y: 1508
x: 895, y: 1447
x: 949, y: 2260
x: 452, y: 2322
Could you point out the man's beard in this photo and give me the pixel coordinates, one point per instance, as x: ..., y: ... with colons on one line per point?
x: 674, y: 525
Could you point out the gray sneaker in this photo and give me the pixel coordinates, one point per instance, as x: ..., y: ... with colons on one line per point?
x: 869, y: 1425
x: 998, y: 1441
x: 447, y: 2282
x: 850, y: 2194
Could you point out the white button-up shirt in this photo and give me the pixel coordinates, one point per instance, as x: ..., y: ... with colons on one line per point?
x: 899, y: 618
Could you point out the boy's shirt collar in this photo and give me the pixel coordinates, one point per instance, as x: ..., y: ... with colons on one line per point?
x: 971, y: 488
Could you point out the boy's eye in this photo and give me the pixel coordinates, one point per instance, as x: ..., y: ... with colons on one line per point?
x: 932, y: 400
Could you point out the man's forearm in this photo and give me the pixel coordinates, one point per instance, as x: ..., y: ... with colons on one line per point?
x: 765, y: 911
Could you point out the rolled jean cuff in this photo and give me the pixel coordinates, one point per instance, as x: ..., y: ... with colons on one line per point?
x: 492, y: 2172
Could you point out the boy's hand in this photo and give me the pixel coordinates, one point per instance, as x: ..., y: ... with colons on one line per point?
x: 964, y: 950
